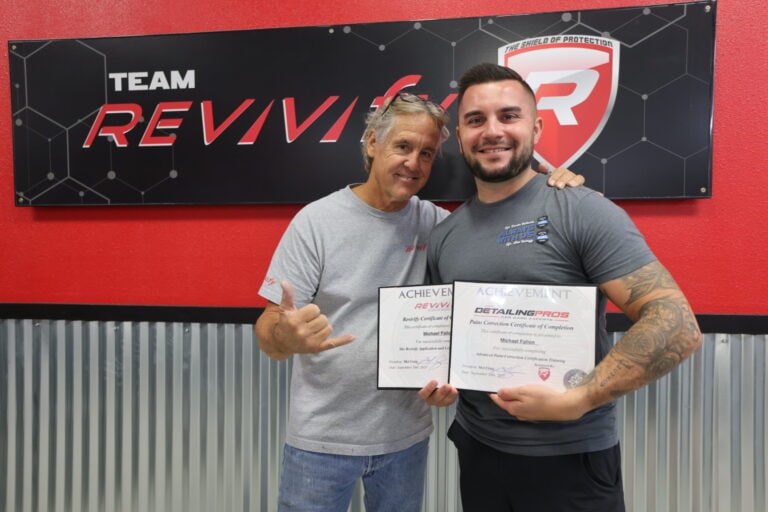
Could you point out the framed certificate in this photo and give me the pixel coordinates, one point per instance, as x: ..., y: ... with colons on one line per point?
x: 414, y: 335
x: 507, y: 335
x: 486, y: 336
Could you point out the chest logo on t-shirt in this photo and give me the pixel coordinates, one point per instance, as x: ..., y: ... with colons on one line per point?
x: 419, y: 247
x: 542, y: 232
x: 525, y: 232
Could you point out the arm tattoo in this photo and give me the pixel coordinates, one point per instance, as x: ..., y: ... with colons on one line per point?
x: 664, y: 335
x: 646, y: 279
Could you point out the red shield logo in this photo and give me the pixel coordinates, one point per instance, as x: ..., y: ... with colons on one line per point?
x: 544, y: 373
x: 575, y: 78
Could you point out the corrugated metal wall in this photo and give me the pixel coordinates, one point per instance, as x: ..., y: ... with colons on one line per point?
x: 137, y: 416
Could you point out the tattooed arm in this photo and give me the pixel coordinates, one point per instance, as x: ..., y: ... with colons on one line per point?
x: 664, y: 334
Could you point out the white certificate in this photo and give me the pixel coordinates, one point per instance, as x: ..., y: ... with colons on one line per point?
x: 414, y: 335
x: 506, y: 335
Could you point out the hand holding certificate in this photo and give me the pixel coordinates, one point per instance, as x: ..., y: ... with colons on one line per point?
x: 494, y: 335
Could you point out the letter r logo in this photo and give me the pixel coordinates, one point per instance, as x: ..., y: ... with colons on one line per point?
x: 583, y: 80
x: 575, y: 86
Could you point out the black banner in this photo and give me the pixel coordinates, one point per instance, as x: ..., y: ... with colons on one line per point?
x: 276, y: 115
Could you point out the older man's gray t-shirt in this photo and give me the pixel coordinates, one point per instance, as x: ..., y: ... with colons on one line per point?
x: 336, y: 253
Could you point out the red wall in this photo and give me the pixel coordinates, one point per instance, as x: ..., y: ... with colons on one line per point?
x: 217, y: 256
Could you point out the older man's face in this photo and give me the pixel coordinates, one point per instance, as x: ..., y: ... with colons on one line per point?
x: 403, y: 161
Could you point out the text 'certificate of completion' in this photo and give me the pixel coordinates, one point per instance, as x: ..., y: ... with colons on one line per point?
x: 414, y: 335
x: 507, y: 335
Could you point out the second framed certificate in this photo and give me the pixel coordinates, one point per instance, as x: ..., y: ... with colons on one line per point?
x: 414, y: 335
x: 507, y: 335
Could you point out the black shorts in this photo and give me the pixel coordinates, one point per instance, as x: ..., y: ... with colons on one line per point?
x: 494, y: 481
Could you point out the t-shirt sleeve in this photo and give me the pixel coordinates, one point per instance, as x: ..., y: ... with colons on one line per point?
x: 611, y: 245
x: 296, y: 260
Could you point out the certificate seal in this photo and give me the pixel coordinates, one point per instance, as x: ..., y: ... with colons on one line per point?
x: 573, y: 378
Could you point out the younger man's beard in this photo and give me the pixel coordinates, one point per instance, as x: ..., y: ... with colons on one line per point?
x: 516, y: 165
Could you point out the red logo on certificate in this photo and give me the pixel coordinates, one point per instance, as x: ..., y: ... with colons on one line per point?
x: 544, y: 373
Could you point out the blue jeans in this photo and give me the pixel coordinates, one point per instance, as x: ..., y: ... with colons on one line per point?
x: 320, y: 482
